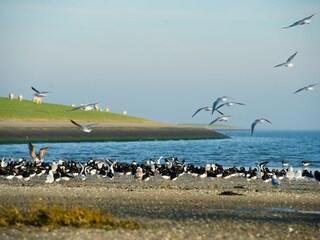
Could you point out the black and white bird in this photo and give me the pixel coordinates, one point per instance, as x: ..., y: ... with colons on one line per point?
x: 84, y: 128
x: 307, y: 88
x: 217, y: 101
x: 288, y: 62
x: 303, y: 21
x: 206, y: 109
x: 37, y: 157
x: 220, y: 119
x: 85, y: 107
x: 38, y: 93
x: 260, y: 120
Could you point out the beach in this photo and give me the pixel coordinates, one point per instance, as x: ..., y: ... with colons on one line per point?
x: 188, y: 208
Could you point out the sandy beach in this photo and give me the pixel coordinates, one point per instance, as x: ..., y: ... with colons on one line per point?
x: 189, y: 208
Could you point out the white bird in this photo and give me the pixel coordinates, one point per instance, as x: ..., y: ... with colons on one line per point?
x: 217, y: 101
x: 206, y: 109
x: 85, y: 107
x: 50, y: 177
x: 260, y: 120
x: 307, y: 88
x: 228, y: 104
x: 84, y: 128
x: 38, y: 93
x: 288, y: 62
x: 300, y: 22
x: 220, y: 119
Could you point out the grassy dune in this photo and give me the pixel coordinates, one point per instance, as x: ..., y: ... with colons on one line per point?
x: 14, y: 110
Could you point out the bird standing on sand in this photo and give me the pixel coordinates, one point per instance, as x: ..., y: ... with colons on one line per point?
x: 307, y: 88
x: 37, y: 157
x: 260, y: 120
x: 38, y: 93
x: 84, y: 128
x: 288, y: 62
x: 301, y: 22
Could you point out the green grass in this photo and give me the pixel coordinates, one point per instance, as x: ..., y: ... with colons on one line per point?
x: 14, y: 110
x: 58, y: 216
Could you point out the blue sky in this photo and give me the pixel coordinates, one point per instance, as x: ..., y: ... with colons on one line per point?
x: 162, y: 60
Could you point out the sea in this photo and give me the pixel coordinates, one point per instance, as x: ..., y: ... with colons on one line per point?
x: 240, y: 150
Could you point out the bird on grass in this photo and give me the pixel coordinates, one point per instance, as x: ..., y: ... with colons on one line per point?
x: 303, y: 21
x: 84, y: 128
x: 38, y: 93
x: 288, y: 62
x: 307, y: 88
x: 260, y: 120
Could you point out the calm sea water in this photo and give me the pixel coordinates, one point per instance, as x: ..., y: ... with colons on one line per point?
x: 239, y: 150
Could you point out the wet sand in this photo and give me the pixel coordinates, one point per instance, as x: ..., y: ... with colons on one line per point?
x: 189, y: 208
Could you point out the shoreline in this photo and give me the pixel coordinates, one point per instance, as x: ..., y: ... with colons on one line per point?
x: 189, y: 208
x: 22, y: 132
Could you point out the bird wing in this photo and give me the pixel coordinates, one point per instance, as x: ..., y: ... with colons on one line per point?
x: 266, y: 120
x: 299, y: 90
x: 42, y: 152
x: 198, y: 111
x: 279, y: 65
x: 307, y: 18
x: 35, y: 89
x: 214, y: 105
x: 91, y: 125
x: 252, y: 126
x: 32, y: 151
x: 76, y: 108
x: 215, y: 120
x: 77, y: 124
x: 291, y: 57
x: 294, y: 24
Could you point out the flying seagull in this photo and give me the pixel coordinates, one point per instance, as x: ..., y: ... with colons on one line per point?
x: 217, y: 101
x: 206, y: 109
x: 288, y: 62
x: 38, y: 93
x: 84, y: 128
x: 300, y: 22
x: 228, y: 104
x: 85, y: 107
x: 220, y: 119
x: 307, y: 88
x: 36, y: 157
x: 260, y: 120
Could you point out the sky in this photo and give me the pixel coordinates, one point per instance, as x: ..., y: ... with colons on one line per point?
x: 162, y: 60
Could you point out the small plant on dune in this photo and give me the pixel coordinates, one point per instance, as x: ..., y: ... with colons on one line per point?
x: 57, y: 216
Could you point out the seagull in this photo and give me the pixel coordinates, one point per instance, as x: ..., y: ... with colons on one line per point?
x: 37, y: 157
x: 220, y: 119
x: 84, y: 128
x: 288, y: 62
x: 228, y: 104
x: 38, y: 93
x: 85, y: 107
x: 218, y: 100
x: 300, y: 22
x: 307, y: 88
x: 260, y: 120
x: 206, y: 109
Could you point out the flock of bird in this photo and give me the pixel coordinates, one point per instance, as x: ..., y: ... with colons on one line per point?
x: 224, y: 101
x: 172, y: 168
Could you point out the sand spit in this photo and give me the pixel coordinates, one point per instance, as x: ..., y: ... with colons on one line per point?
x: 56, y: 132
x: 189, y: 208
